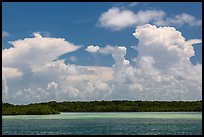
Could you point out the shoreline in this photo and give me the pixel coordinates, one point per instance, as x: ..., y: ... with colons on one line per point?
x: 108, y: 112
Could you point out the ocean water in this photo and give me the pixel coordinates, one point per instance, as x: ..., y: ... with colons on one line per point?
x: 107, y: 123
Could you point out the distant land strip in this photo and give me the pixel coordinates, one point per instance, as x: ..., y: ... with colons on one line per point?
x: 53, y: 107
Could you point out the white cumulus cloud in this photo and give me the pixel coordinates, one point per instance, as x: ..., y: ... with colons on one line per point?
x: 28, y: 59
x: 162, y: 70
x: 118, y: 18
x: 34, y: 50
x: 92, y: 48
x: 165, y: 44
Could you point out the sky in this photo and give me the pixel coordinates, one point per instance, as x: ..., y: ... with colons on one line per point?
x: 86, y: 51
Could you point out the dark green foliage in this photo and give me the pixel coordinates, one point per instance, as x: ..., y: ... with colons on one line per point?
x: 31, y: 109
x: 101, y: 106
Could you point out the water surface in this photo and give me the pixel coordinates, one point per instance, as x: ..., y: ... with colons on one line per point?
x: 108, y: 123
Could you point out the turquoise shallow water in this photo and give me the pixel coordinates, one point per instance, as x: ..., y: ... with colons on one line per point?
x: 119, y: 123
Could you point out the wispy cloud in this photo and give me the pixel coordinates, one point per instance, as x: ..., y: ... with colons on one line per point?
x: 133, y: 4
x: 5, y: 34
x: 180, y: 20
x: 72, y: 58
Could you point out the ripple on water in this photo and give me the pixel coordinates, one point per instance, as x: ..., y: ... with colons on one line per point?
x: 105, y: 123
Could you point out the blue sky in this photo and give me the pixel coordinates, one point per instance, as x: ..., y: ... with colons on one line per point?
x: 101, y: 50
x: 76, y: 22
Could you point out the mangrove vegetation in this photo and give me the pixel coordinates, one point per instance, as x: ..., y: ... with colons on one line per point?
x: 54, y: 107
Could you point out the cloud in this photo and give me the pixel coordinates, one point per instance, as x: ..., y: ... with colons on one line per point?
x: 5, y: 34
x: 92, y: 48
x: 9, y: 72
x: 52, y: 86
x: 165, y: 44
x: 69, y: 82
x: 4, y: 89
x: 72, y: 58
x: 164, y: 59
x: 126, y: 4
x: 117, y: 52
x: 119, y: 18
x: 34, y: 52
x: 28, y: 95
x: 162, y: 71
x: 116, y: 19
x: 23, y: 63
x: 133, y: 4
x: 194, y: 41
x: 180, y: 20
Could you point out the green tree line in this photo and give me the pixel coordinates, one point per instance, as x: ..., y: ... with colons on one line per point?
x: 54, y: 107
